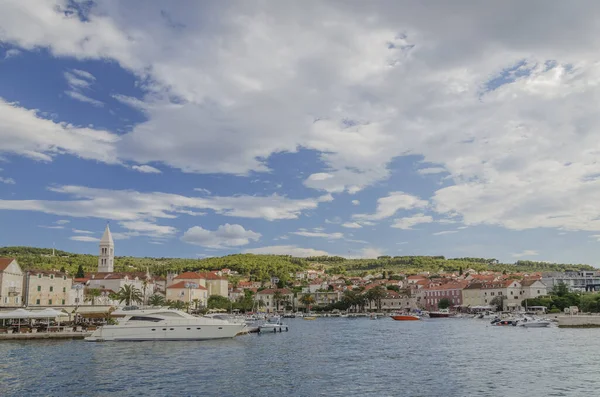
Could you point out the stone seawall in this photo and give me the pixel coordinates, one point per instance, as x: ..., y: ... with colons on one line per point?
x: 579, y: 321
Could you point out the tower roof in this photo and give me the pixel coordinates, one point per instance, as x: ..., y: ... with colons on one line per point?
x: 107, y: 237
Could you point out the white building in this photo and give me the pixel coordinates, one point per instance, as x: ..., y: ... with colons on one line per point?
x: 11, y: 283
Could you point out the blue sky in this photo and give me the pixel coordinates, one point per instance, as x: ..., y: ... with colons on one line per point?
x: 342, y: 128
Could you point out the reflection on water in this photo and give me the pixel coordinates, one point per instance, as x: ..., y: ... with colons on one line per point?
x: 327, y: 357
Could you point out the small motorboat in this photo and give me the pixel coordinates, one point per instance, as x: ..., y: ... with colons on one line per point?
x: 405, y: 317
x: 440, y: 314
x: 310, y: 317
x: 499, y: 322
x: 534, y: 323
x: 274, y: 324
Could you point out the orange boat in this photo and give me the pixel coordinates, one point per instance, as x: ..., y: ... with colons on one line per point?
x: 405, y: 317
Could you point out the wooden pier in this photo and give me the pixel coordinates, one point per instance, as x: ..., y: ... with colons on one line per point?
x: 44, y: 335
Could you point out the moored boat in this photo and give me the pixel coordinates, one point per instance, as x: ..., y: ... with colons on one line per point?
x: 405, y: 317
x: 310, y: 317
x: 136, y: 324
x: 274, y: 324
x: 440, y: 314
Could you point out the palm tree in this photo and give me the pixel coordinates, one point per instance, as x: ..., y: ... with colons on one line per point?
x: 129, y: 294
x: 377, y: 294
x: 177, y: 305
x: 156, y: 300
x: 307, y: 300
x: 144, y: 287
x: 277, y: 298
x: 91, y: 294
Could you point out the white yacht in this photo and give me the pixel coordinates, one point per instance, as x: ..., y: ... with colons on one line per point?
x: 274, y: 324
x: 164, y: 324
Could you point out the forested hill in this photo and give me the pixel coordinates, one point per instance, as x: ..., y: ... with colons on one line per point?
x: 262, y: 267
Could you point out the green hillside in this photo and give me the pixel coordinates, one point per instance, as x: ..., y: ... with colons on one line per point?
x: 262, y: 267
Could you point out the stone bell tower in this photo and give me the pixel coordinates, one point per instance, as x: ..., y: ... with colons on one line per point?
x: 107, y: 252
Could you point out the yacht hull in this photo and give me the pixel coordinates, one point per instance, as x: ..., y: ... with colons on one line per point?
x: 155, y: 332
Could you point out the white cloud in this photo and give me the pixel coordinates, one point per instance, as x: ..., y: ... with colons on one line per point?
x: 146, y: 169
x: 330, y: 236
x: 286, y: 250
x: 76, y: 82
x: 510, y: 113
x: 79, y: 231
x: 444, y: 232
x: 84, y: 98
x: 351, y: 225
x: 25, y: 133
x: 408, y: 222
x: 84, y: 74
x: 202, y: 190
x: 52, y: 227
x: 525, y: 253
x: 431, y: 170
x: 389, y: 205
x: 225, y: 236
x: 130, y: 205
x: 8, y: 181
x: 13, y: 52
x: 85, y: 239
x: 355, y: 202
x: 148, y: 228
x: 62, y: 221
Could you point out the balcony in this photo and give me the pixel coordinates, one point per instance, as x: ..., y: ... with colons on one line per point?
x: 14, y: 291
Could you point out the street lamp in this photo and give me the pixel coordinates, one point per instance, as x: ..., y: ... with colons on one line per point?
x: 189, y: 287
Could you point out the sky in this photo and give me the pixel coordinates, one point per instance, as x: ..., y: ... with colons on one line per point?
x: 350, y: 128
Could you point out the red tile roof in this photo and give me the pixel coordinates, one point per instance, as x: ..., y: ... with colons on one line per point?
x: 4, y: 262
x: 188, y: 276
x: 182, y: 284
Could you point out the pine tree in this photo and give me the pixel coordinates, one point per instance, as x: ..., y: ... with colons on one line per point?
x: 80, y: 272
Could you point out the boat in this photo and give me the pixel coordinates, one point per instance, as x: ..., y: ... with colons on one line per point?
x: 135, y: 324
x: 442, y: 313
x: 500, y: 322
x: 405, y: 317
x: 310, y: 317
x: 273, y: 324
x: 534, y: 323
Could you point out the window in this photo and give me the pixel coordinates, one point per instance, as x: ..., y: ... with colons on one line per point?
x: 39, y: 288
x: 64, y: 277
x: 511, y: 293
x: 49, y: 301
x: 51, y: 289
x: 52, y: 276
x: 538, y: 291
x: 37, y: 301
x: 516, y: 297
x: 39, y: 276
x: 64, y: 289
x: 63, y: 301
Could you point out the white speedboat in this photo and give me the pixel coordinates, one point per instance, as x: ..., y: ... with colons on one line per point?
x: 534, y: 323
x: 164, y: 324
x: 274, y: 324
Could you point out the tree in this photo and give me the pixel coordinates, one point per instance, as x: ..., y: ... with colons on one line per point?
x: 91, y: 294
x: 179, y: 305
x: 62, y: 269
x: 444, y: 303
x: 498, y: 301
x: 129, y: 294
x: 80, y: 273
x: 560, y: 289
x: 218, y: 302
x: 277, y: 298
x: 307, y: 300
x: 156, y: 300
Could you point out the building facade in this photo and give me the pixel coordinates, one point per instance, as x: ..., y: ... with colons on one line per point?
x: 44, y: 288
x: 188, y: 292
x: 11, y: 283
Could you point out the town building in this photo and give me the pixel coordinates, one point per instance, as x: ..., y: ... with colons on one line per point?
x: 581, y: 281
x: 267, y: 296
x: 450, y: 291
x: 11, y: 283
x: 189, y: 292
x: 45, y: 288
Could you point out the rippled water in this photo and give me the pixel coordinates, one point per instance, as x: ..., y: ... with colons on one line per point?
x: 326, y: 357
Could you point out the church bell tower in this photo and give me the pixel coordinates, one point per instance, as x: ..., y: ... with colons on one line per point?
x: 107, y: 252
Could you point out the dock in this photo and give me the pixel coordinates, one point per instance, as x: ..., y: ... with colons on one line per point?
x: 579, y: 321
